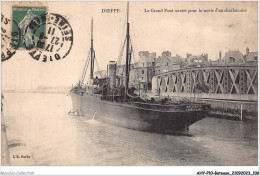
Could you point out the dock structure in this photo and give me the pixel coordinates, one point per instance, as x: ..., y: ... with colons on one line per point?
x: 227, y: 88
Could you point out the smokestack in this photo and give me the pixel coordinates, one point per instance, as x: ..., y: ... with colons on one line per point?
x: 112, y: 74
x: 219, y: 55
x: 247, y: 51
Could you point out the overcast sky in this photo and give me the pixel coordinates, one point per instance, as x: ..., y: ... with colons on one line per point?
x: 179, y: 33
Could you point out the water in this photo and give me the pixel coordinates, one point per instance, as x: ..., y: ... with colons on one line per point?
x: 55, y: 138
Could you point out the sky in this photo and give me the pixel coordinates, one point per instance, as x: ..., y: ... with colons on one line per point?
x: 178, y: 32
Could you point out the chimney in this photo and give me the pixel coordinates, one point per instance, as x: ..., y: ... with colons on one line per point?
x: 166, y: 53
x: 219, y: 55
x: 188, y: 55
x: 112, y: 74
x: 206, y: 56
x: 247, y: 51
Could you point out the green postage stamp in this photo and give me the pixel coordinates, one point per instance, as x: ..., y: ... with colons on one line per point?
x: 31, y: 22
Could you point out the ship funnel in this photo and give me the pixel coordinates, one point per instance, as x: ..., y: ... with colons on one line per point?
x: 112, y: 74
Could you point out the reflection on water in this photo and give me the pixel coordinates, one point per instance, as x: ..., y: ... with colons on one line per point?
x: 55, y: 138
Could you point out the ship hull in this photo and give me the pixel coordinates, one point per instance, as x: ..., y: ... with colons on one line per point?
x: 142, y: 117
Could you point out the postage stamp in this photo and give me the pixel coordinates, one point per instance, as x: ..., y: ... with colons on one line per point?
x: 47, y: 37
x: 28, y: 20
x: 9, y: 44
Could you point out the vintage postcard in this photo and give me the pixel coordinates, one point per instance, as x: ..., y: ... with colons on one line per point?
x: 119, y: 83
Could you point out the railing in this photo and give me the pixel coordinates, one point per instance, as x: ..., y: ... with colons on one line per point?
x: 232, y: 81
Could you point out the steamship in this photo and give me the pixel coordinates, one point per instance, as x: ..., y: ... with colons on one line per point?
x: 112, y: 101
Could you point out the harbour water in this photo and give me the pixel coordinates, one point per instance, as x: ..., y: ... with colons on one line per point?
x: 54, y: 138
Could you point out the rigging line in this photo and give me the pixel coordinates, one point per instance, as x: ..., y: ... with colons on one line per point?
x: 146, y: 58
x: 85, y: 69
x: 168, y: 58
x: 122, y: 37
x: 120, y: 53
x: 135, y: 44
x: 84, y: 74
x: 132, y: 50
x: 98, y: 68
x: 119, y: 60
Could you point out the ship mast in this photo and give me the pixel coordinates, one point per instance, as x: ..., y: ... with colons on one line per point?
x: 91, y: 52
x: 127, y: 52
x: 92, y: 57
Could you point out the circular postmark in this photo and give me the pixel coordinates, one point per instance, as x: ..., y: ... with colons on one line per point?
x: 54, y: 43
x: 10, y: 38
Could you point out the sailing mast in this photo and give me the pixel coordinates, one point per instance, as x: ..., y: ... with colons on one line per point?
x: 127, y: 52
x: 91, y: 52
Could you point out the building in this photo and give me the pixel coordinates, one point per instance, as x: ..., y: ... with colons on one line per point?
x: 149, y: 65
x: 233, y: 57
x: 144, y: 70
x: 120, y: 72
x: 141, y: 72
x: 251, y: 57
x: 237, y: 58
x: 196, y: 60
x: 166, y: 62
